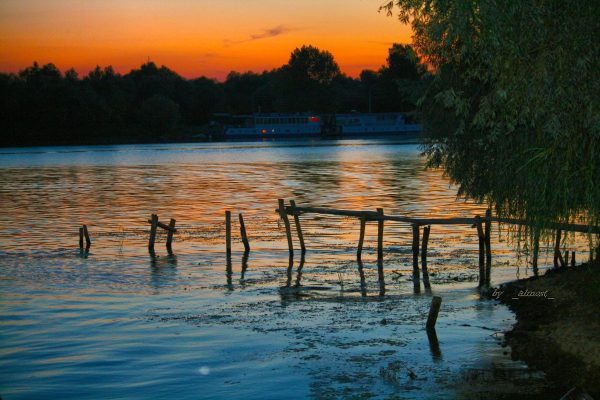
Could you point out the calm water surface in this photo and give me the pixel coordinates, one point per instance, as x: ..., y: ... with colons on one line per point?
x: 119, y: 323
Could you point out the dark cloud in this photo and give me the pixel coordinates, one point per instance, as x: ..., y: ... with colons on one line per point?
x: 265, y: 34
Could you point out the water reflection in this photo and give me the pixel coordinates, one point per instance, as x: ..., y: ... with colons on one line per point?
x: 434, y: 345
x: 163, y: 270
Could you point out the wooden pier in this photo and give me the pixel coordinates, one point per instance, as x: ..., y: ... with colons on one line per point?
x: 483, y: 226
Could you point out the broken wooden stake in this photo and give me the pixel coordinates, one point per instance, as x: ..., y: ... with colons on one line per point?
x: 298, y: 227
x: 228, y: 232
x: 88, y: 242
x: 81, y: 237
x: 153, y: 226
x: 361, y: 237
x: 434, y: 309
x: 170, y: 232
x: 243, y: 234
x: 286, y: 222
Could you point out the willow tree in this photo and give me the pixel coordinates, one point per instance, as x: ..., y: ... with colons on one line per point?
x: 513, y: 113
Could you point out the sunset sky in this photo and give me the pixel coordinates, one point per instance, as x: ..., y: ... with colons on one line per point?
x: 193, y: 37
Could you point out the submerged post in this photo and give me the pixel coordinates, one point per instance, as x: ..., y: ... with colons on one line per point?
x: 488, y: 247
x: 380, y: 222
x: 415, y: 249
x: 81, y: 237
x: 243, y: 234
x: 361, y: 237
x: 298, y: 227
x: 434, y: 309
x: 481, y: 237
x: 170, y: 233
x: 286, y: 222
x: 573, y: 259
x: 424, y: 257
x: 153, y: 226
x: 228, y: 232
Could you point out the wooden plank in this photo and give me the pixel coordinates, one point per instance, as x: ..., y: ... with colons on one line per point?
x: 434, y: 310
x: 380, y: 222
x: 286, y: 222
x: 243, y: 233
x: 361, y: 238
x: 171, y: 230
x: 298, y: 227
x: 228, y: 232
x: 426, y: 283
x: 370, y: 215
x: 153, y: 225
x: 163, y: 226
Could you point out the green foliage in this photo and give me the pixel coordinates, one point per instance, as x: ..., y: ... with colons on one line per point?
x: 513, y: 113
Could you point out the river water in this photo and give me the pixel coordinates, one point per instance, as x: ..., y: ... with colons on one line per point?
x: 117, y: 322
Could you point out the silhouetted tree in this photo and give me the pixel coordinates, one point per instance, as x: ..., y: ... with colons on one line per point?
x: 159, y: 115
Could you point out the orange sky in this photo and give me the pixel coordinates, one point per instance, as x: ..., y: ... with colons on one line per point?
x: 193, y: 37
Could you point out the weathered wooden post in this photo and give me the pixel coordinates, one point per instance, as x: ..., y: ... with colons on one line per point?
x: 434, y: 309
x: 426, y: 283
x: 361, y: 274
x: 228, y: 232
x: 298, y: 227
x: 286, y: 222
x: 153, y: 226
x: 361, y: 237
x: 415, y: 249
x: 245, y: 257
x: 481, y: 237
x: 380, y: 222
x: 170, y: 233
x: 573, y: 259
x: 243, y: 234
x: 566, y: 264
x: 557, y: 248
x: 536, y: 249
x: 81, y: 237
x: 488, y: 246
x: 88, y: 242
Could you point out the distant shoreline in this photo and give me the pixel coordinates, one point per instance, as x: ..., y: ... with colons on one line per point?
x: 192, y: 139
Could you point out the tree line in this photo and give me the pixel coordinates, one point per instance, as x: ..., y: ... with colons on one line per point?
x: 42, y: 105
